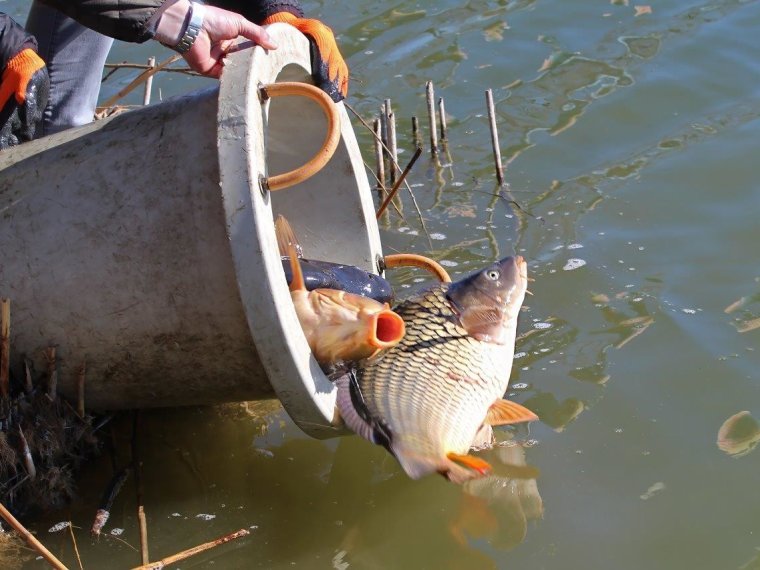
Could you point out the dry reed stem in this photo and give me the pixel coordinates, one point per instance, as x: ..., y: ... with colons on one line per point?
x: 396, y: 186
x: 52, y: 372
x: 494, y: 137
x: 378, y: 130
x: 5, y: 347
x: 76, y: 548
x: 409, y: 189
x: 140, y: 79
x: 442, y: 118
x: 193, y: 551
x: 80, y: 389
x: 31, y: 539
x: 430, y: 96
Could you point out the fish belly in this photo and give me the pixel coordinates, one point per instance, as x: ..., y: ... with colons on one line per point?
x: 433, y: 390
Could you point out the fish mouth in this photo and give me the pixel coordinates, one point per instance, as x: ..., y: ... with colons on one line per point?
x: 386, y: 329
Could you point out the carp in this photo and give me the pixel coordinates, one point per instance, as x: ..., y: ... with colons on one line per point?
x: 436, y: 394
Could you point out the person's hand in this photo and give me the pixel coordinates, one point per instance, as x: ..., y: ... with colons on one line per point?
x: 219, y: 33
x: 23, y: 96
x: 328, y: 67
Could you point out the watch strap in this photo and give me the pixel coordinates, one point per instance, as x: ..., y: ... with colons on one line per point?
x: 194, y: 26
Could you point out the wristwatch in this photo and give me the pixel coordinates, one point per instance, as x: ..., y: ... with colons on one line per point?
x: 193, y: 28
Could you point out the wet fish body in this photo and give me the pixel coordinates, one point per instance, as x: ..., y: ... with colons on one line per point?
x: 326, y: 275
x: 437, y: 393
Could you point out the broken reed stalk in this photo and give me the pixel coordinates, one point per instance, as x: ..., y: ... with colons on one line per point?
x: 409, y: 188
x: 28, y: 385
x: 137, y: 463
x: 379, y: 155
x: 401, y: 179
x: 442, y: 118
x: 149, y: 81
x: 80, y: 389
x: 52, y: 373
x: 5, y: 347
x: 494, y: 137
x: 416, y: 132
x: 26, y: 454
x: 139, y: 80
x: 430, y: 93
x: 114, y: 486
x: 393, y: 146
x: 193, y: 551
x: 30, y: 538
x: 76, y: 548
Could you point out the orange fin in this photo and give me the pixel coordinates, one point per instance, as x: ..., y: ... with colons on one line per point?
x: 297, y: 282
x: 285, y: 236
x: 471, y: 462
x: 503, y: 412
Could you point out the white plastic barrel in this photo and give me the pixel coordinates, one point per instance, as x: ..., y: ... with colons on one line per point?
x: 144, y: 244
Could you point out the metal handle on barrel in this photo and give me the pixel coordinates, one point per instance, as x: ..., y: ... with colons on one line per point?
x: 280, y: 181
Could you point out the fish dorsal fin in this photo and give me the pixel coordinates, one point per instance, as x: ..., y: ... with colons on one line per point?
x: 503, y: 412
x: 297, y: 282
x: 286, y: 236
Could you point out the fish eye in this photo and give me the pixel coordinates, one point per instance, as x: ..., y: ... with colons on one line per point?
x: 493, y: 275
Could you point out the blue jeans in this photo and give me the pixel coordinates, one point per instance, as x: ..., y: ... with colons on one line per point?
x: 75, y: 56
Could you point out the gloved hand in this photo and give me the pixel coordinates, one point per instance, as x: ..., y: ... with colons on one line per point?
x: 25, y: 78
x: 329, y: 69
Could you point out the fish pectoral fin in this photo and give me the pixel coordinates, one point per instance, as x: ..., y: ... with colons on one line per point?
x: 471, y: 462
x: 503, y: 412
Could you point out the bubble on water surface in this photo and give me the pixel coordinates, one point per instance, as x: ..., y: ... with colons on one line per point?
x: 574, y: 263
x: 654, y: 489
x: 575, y: 246
x: 448, y: 263
x: 117, y: 531
x: 205, y: 516
x: 542, y: 326
x: 437, y: 236
x: 519, y: 355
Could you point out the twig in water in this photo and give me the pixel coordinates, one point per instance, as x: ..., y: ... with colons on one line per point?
x: 442, y: 117
x: 494, y: 137
x: 5, y: 347
x: 114, y: 486
x: 379, y: 155
x: 193, y: 551
x: 30, y: 538
x: 416, y: 131
x: 76, y: 549
x: 396, y: 186
x: 137, y: 462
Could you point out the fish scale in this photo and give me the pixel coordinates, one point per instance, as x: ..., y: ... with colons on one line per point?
x: 439, y: 391
x: 456, y: 375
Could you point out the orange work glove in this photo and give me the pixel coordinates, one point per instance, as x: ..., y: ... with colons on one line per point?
x: 328, y: 67
x: 17, y: 74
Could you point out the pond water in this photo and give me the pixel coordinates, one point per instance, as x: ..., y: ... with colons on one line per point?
x: 628, y: 132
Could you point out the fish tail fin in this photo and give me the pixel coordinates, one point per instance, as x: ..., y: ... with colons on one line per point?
x: 296, y: 283
x: 285, y: 236
x: 456, y: 468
